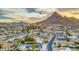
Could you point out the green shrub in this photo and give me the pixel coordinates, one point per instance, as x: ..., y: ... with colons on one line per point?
x: 45, y: 41
x: 68, y: 39
x: 34, y: 46
x: 29, y: 39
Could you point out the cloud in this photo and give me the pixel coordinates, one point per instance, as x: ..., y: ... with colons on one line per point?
x: 3, y: 13
x: 4, y: 17
x: 76, y: 13
x: 69, y: 12
x: 30, y: 10
x: 26, y: 14
x: 33, y: 18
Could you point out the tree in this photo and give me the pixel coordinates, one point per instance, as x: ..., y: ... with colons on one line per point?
x: 63, y: 30
x: 59, y: 45
x: 68, y: 39
x: 23, y: 41
x: 0, y: 46
x: 38, y: 33
x: 68, y: 33
x: 45, y: 41
x: 18, y: 40
x: 33, y: 46
x: 23, y: 29
x: 14, y: 46
x: 29, y: 39
x: 17, y: 49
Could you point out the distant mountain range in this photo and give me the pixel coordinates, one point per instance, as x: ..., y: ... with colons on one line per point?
x: 56, y: 18
x: 14, y: 23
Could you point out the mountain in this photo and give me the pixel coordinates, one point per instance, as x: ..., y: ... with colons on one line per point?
x: 14, y: 23
x: 23, y: 23
x: 52, y: 19
x: 56, y: 18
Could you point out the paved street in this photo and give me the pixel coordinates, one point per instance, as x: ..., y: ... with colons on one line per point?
x: 51, y: 42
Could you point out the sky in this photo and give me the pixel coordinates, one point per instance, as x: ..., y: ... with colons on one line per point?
x: 33, y: 15
x: 69, y: 12
x: 30, y: 15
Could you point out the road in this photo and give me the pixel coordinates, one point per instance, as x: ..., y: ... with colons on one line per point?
x: 51, y: 42
x: 12, y: 37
